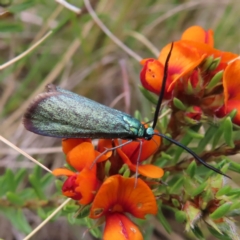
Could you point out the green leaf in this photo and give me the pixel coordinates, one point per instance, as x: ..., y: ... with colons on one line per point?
x: 21, y: 7
x: 18, y: 221
x: 14, y: 198
x: 10, y: 27
x: 84, y: 212
x: 185, y: 141
x: 204, y: 142
x: 19, y: 175
x: 164, y: 221
x: 9, y: 180
x: 217, y: 136
x: 175, y: 203
x: 176, y: 187
x: 218, y: 235
x: 199, y: 189
x: 46, y: 180
x: 22, y: 222
x: 180, y: 216
x: 149, y: 96
x: 36, y: 186
x: 198, y: 233
x: 234, y: 166
x: 223, y: 191
x: 41, y: 213
x: 214, y: 64
x: 228, y: 132
x: 194, y: 134
x: 179, y: 105
x: 221, y: 211
x: 207, y: 63
x: 215, y: 80
x: 191, y: 170
x: 58, y: 184
x: 69, y: 208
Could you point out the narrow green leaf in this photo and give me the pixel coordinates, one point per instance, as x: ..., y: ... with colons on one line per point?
x: 207, y: 63
x: 217, y: 136
x: 215, y: 80
x: 234, y: 166
x: 69, y: 208
x: 164, y: 221
x: 84, y: 212
x: 218, y: 235
x: 19, y: 175
x: 36, y: 186
x: 9, y: 180
x: 198, y: 233
x: 22, y: 223
x: 178, y: 104
x: 191, y: 170
x: 199, y: 189
x: 214, y: 64
x: 185, y: 141
x: 15, y: 8
x: 223, y: 191
x: 208, y: 136
x: 10, y: 27
x: 175, y: 202
x: 221, y: 211
x: 46, y: 180
x: 228, y: 132
x: 176, y: 187
x: 15, y: 199
x: 149, y: 96
x: 41, y: 213
x: 194, y: 134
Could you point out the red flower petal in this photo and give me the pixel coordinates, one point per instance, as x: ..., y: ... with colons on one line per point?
x: 152, y: 74
x: 119, y: 194
x: 198, y: 34
x: 119, y: 227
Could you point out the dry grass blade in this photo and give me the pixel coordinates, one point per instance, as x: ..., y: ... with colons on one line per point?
x: 24, y: 154
x: 109, y: 33
x: 69, y: 6
x: 22, y: 55
x: 47, y: 219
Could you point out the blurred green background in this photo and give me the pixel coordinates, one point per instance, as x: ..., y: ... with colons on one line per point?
x: 80, y: 57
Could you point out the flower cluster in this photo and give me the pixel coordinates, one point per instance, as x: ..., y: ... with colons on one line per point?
x: 100, y: 184
x: 202, y: 81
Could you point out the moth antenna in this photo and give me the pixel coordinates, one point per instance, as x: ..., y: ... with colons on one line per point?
x: 160, y: 99
x: 192, y: 153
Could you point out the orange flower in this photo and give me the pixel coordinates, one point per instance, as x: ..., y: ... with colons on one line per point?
x: 198, y: 34
x: 130, y: 153
x: 79, y: 186
x: 231, y: 85
x: 184, y: 59
x: 117, y: 196
x: 120, y: 227
x: 82, y: 184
